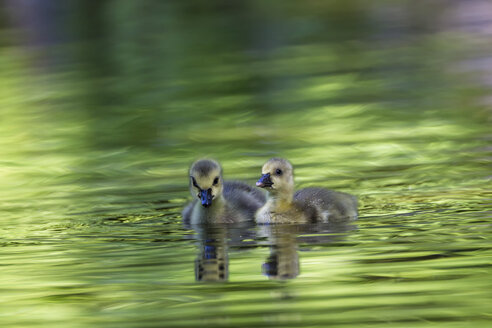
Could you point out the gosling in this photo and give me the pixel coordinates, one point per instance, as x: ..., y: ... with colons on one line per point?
x: 219, y: 201
x: 306, y: 205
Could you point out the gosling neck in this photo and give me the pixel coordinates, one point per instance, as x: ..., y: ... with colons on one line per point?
x: 281, y: 200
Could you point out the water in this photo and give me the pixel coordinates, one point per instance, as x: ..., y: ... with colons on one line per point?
x: 104, y: 109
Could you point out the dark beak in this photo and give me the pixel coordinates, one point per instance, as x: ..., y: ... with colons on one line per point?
x: 264, y: 181
x: 206, y: 197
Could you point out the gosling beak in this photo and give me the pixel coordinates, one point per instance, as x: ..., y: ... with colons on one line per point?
x: 206, y: 197
x: 264, y: 181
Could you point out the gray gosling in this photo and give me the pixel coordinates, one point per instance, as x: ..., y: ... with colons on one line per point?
x: 304, y: 206
x: 219, y: 201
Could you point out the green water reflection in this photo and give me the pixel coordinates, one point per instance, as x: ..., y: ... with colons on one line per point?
x: 101, y: 117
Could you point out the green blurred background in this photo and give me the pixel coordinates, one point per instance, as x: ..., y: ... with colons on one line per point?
x: 104, y: 104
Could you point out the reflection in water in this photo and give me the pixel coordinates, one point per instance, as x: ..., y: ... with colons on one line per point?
x: 388, y: 100
x: 212, y: 262
x: 215, y: 240
x: 283, y: 261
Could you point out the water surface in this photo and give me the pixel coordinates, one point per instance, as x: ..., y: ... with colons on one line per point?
x: 102, y: 114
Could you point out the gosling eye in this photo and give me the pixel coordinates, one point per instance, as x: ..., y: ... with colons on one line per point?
x: 278, y: 172
x: 216, y: 180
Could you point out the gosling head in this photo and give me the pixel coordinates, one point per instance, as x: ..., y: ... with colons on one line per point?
x: 206, y: 181
x: 277, y: 176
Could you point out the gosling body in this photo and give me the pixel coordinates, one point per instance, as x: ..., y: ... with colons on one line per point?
x: 218, y: 201
x: 304, y: 206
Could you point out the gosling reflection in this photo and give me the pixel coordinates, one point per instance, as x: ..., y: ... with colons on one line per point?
x: 212, y: 262
x: 283, y: 261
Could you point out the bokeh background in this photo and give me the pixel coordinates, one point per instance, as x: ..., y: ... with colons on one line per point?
x: 104, y: 105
